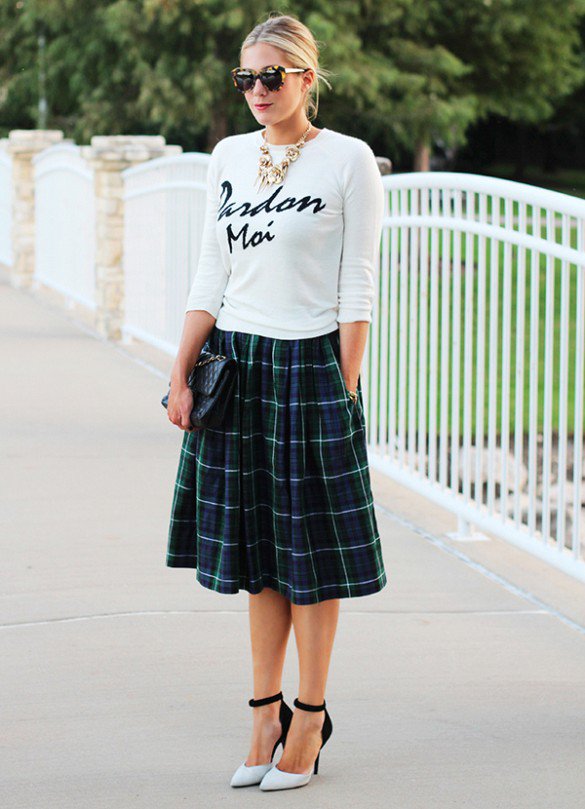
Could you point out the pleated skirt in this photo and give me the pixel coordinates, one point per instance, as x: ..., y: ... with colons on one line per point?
x: 279, y: 495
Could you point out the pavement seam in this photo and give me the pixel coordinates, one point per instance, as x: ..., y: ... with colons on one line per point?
x: 138, y: 613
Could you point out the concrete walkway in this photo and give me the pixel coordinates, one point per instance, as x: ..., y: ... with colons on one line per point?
x: 125, y: 683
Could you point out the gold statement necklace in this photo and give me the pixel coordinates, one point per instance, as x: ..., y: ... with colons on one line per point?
x: 270, y: 173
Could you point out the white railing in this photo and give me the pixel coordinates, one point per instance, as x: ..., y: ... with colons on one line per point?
x: 474, y: 367
x: 65, y: 223
x: 164, y: 212
x: 5, y: 208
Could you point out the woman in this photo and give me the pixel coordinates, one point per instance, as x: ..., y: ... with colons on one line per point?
x: 277, y: 501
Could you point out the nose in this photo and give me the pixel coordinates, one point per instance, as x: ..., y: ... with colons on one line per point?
x: 263, y: 90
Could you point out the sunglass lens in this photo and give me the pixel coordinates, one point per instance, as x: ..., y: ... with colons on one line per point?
x: 244, y: 81
x: 271, y: 79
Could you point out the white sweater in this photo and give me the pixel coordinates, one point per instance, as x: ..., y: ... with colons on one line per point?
x: 296, y: 258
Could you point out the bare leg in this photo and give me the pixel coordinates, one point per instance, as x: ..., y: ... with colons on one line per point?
x: 270, y: 624
x: 315, y: 626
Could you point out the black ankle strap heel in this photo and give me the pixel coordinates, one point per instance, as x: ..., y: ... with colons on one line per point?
x: 285, y: 716
x: 327, y: 728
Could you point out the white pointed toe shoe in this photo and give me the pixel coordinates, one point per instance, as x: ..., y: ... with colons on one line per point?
x: 279, y: 779
x: 245, y: 776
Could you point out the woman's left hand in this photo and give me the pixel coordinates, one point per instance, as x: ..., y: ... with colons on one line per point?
x: 350, y: 385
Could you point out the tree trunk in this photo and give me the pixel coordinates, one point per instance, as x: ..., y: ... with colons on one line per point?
x: 422, y: 156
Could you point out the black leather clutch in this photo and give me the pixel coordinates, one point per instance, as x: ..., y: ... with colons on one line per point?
x: 212, y: 382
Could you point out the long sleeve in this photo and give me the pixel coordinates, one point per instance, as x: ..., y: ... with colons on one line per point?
x: 363, y: 209
x: 211, y: 276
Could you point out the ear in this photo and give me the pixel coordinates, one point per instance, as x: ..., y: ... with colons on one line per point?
x: 308, y: 81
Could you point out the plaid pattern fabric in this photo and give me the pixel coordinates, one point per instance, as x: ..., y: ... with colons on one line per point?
x: 280, y: 494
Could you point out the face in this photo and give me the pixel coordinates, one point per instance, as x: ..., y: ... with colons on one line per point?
x: 270, y: 107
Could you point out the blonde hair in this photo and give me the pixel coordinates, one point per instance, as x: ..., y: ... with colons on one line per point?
x: 293, y: 38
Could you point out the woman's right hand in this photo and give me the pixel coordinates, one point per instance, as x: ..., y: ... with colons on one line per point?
x: 179, y: 407
x: 196, y: 330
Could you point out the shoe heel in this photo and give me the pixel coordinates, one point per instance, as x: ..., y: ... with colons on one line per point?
x: 285, y: 716
x: 316, y: 767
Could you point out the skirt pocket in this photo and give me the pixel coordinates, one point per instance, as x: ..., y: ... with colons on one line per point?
x: 353, y: 407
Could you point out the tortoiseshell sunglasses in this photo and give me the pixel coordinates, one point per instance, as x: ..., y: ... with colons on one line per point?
x: 272, y: 77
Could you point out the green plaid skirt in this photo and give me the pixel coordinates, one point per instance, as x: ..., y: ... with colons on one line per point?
x: 279, y: 496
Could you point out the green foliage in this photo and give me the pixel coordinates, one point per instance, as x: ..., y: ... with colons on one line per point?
x: 525, y: 56
x: 458, y: 62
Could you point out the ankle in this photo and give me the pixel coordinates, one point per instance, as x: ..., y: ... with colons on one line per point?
x: 309, y: 719
x: 266, y: 715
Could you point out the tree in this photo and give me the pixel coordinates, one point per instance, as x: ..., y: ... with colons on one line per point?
x: 459, y: 62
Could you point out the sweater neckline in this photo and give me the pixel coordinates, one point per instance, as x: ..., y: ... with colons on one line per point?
x: 260, y: 139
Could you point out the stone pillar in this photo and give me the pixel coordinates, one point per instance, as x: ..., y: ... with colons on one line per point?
x: 384, y: 164
x: 109, y: 155
x: 23, y: 145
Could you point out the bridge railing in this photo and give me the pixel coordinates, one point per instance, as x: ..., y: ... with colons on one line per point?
x: 164, y: 203
x: 474, y: 366
x: 65, y: 233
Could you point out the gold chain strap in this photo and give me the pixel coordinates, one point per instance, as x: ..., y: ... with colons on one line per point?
x: 209, y: 359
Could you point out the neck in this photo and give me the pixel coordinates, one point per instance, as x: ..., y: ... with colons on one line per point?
x: 285, y: 133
